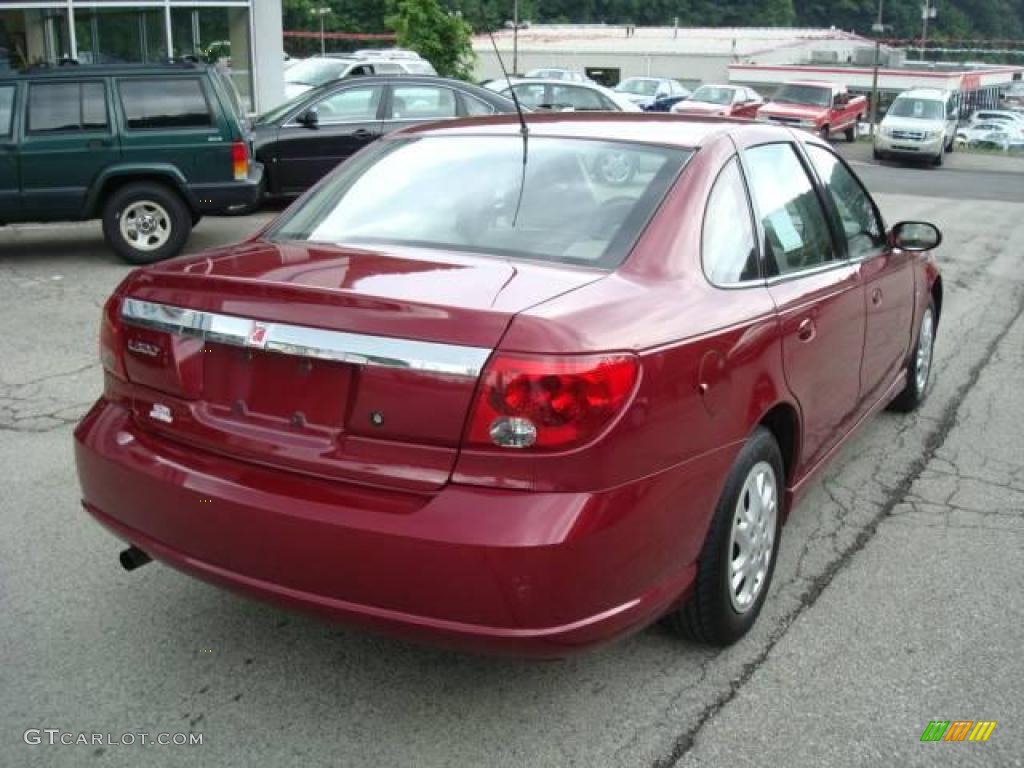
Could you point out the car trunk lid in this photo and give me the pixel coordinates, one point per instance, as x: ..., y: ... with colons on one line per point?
x: 342, y: 363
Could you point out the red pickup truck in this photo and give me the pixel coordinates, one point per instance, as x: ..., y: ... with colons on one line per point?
x: 824, y: 108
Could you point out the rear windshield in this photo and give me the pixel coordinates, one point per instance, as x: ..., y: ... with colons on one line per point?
x: 573, y: 201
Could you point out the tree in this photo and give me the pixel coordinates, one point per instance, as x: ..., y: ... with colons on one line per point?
x: 443, y: 38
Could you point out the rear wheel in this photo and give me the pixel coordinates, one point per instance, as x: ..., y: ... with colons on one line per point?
x: 851, y: 132
x: 738, y: 558
x: 146, y: 222
x: 950, y: 146
x: 919, y: 368
x: 824, y: 133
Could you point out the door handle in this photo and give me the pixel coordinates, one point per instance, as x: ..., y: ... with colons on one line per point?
x: 805, y: 331
x: 362, y: 133
x: 876, y: 297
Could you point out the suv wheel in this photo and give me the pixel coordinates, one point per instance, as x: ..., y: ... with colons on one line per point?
x: 146, y: 222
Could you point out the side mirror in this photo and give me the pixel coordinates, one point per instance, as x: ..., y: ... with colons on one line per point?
x: 310, y: 118
x: 915, y: 236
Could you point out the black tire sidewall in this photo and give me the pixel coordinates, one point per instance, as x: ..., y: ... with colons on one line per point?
x: 709, y: 616
x: 168, y: 199
x: 910, y: 398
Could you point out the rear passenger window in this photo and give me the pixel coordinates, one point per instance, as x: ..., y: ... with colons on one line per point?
x: 421, y: 102
x: 476, y: 107
x: 164, y: 103
x: 797, y: 235
x: 62, y: 107
x: 6, y: 109
x: 729, y: 248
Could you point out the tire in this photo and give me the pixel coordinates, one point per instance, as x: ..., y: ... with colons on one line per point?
x: 824, y: 133
x: 716, y: 613
x: 950, y: 147
x: 919, y: 366
x: 937, y: 160
x: 876, y: 154
x: 147, y: 204
x: 851, y: 132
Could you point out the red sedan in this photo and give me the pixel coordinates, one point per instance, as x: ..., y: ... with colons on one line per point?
x: 721, y: 101
x: 519, y: 393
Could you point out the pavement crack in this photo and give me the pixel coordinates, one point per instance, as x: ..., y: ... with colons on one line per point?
x: 898, y: 494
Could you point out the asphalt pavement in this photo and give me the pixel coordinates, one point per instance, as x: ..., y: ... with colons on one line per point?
x: 897, y: 597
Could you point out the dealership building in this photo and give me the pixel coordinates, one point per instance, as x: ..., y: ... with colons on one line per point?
x: 243, y: 35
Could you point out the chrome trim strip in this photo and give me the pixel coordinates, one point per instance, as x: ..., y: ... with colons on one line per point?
x: 303, y: 341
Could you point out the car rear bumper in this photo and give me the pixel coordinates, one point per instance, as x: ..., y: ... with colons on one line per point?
x: 500, y: 571
x: 231, y: 195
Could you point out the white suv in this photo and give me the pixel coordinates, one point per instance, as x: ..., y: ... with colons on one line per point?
x: 920, y: 123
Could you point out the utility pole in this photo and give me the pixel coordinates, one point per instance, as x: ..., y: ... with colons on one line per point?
x: 878, y: 28
x: 515, y: 37
x: 322, y: 12
x: 928, y: 11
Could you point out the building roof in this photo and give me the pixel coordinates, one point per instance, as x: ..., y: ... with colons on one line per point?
x: 699, y: 41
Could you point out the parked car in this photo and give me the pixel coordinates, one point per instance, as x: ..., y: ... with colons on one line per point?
x: 319, y: 70
x: 466, y: 391
x: 560, y: 96
x: 148, y: 149
x: 990, y: 115
x: 554, y: 73
x: 997, y: 134
x: 646, y: 91
x: 823, y: 108
x: 396, y: 61
x: 721, y: 100
x: 302, y: 140
x: 920, y: 123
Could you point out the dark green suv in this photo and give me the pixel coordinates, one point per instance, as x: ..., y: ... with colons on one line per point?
x: 147, y: 148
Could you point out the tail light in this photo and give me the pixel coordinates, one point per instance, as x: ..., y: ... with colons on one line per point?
x: 547, y: 402
x: 112, y: 338
x: 240, y: 160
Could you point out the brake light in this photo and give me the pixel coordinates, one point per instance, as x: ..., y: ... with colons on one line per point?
x: 112, y: 338
x: 240, y: 160
x: 549, y: 402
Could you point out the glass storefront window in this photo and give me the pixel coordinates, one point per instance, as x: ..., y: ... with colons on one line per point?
x: 33, y: 36
x: 217, y: 36
x: 120, y: 35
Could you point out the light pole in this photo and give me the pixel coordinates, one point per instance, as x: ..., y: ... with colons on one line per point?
x: 878, y: 28
x: 322, y: 12
x: 515, y: 36
x: 928, y: 11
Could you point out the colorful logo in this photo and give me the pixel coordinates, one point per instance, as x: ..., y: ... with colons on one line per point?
x: 958, y: 730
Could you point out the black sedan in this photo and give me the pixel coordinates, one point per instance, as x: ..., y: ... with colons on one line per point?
x: 302, y: 140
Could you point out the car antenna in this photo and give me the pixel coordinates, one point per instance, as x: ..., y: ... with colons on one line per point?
x: 523, y: 130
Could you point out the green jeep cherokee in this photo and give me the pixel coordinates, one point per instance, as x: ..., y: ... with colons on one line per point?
x: 147, y: 148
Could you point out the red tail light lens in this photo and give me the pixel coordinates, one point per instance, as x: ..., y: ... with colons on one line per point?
x: 240, y: 160
x: 548, y: 402
x: 112, y: 338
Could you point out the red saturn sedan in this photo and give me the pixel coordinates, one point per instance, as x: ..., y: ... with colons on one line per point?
x: 521, y: 392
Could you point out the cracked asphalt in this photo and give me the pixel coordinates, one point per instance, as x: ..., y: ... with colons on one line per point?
x: 897, y: 596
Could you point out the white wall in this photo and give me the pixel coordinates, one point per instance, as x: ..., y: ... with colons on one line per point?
x: 686, y: 68
x: 268, y: 48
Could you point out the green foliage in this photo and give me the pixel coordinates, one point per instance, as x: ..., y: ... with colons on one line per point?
x: 438, y: 35
x: 1002, y: 19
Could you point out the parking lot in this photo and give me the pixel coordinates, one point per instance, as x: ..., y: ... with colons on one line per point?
x: 896, y: 600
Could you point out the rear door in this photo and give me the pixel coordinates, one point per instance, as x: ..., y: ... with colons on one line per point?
x: 68, y: 141
x: 10, y: 193
x: 886, y: 275
x: 175, y: 120
x: 817, y: 292
x: 349, y: 119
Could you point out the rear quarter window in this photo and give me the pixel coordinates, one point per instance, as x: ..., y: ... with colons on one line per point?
x: 164, y: 103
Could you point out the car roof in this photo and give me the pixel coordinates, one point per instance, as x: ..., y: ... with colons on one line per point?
x: 103, y: 70
x: 924, y: 93
x: 664, y: 129
x: 815, y: 83
x: 551, y: 81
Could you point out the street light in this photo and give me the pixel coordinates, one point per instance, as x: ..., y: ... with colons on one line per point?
x: 878, y: 28
x: 321, y: 12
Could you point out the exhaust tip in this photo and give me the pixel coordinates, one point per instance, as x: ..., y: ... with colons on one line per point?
x: 133, y: 558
